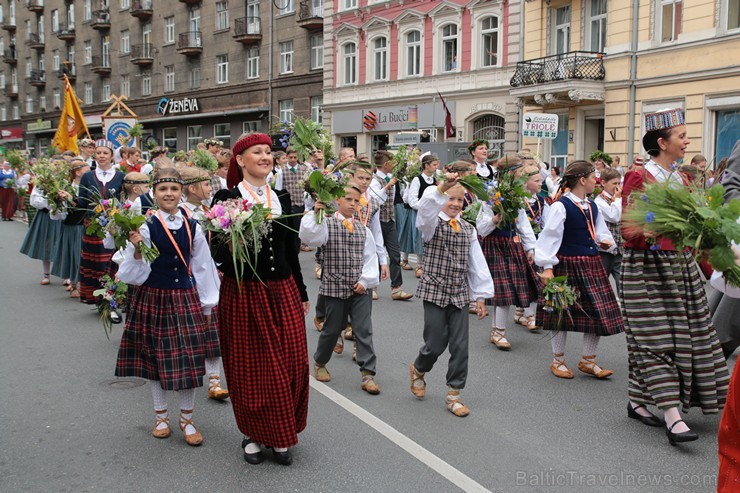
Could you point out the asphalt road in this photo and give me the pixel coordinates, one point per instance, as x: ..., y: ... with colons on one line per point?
x: 67, y: 425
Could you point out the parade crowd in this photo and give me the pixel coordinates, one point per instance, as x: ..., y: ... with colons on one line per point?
x: 203, y: 303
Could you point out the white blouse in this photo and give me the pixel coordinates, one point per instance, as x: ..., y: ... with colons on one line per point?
x: 413, y: 193
x: 484, y: 223
x: 277, y: 209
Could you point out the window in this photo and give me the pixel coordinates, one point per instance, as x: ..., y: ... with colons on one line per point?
x: 733, y: 14
x: 250, y: 127
x: 316, y: 103
x: 56, y: 98
x: 29, y: 67
x: 286, y: 7
x: 489, y: 42
x: 222, y: 69
x: 317, y: 52
x: 413, y: 53
x: 3, y: 113
x: 671, y: 13
x: 286, y: 57
x: 380, y: 58
x: 125, y: 42
x: 70, y: 16
x: 169, y: 29
x: 349, y: 4
x: 449, y: 48
x: 195, y: 77
x: 29, y: 104
x: 106, y: 90
x: 125, y: 86
x: 87, y: 10
x: 106, y: 51
x: 87, y: 52
x: 222, y: 132
x: 222, y: 16
x: 169, y: 78
x: 54, y: 21
x: 253, y: 62
x: 42, y: 103
x: 597, y: 25
x: 286, y: 110
x: 561, y: 41
x: 194, y: 136
x: 727, y: 131
x: 125, y: 4
x: 169, y: 137
x: 55, y: 59
x: 2, y: 79
x: 88, y: 93
x: 349, y: 59
x: 42, y: 63
x: 146, y: 84
x: 16, y: 111
x: 253, y: 10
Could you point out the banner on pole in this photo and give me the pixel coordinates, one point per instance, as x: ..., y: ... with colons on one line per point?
x: 116, y: 129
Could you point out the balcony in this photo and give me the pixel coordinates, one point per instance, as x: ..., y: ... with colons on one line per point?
x: 100, y: 20
x: 66, y: 33
x: 35, y: 41
x: 100, y: 65
x: 11, y: 90
x: 10, y: 57
x: 190, y: 2
x: 143, y: 9
x: 9, y: 24
x: 37, y: 78
x: 565, y: 79
x: 190, y: 43
x: 68, y: 69
x: 311, y: 15
x: 142, y: 55
x: 35, y: 5
x: 247, y: 30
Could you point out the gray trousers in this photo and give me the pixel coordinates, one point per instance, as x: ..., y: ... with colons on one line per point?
x: 445, y: 327
x: 390, y: 238
x: 337, y: 312
x: 612, y: 265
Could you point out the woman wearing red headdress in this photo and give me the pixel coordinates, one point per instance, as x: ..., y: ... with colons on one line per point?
x: 262, y: 322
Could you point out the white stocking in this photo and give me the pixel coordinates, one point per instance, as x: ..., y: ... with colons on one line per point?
x: 529, y: 311
x: 159, y: 396
x: 187, y: 403
x: 558, y: 340
x: 213, y: 367
x: 590, y: 343
x: 500, y: 317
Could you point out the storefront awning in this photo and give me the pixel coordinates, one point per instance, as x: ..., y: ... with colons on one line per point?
x: 14, y: 134
x: 194, y: 116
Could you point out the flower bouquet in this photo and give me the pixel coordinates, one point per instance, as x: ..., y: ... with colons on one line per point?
x: 406, y: 164
x: 204, y: 160
x: 304, y: 136
x: 326, y: 186
x: 691, y: 217
x: 113, y: 297
x: 242, y: 225
x: 472, y: 183
x: 53, y: 177
x: 104, y: 212
x: 16, y: 160
x: 470, y: 214
x: 508, y: 196
x: 559, y: 297
x: 123, y: 222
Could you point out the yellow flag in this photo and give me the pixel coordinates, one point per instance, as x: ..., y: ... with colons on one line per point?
x: 71, y: 123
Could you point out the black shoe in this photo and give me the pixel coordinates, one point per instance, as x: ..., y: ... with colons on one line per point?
x: 283, y: 458
x: 651, y: 420
x: 255, y: 458
x: 686, y: 436
x: 115, y: 317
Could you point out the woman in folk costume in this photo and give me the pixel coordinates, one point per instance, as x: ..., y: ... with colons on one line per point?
x: 262, y: 321
x: 479, y: 153
x: 67, y: 257
x: 165, y: 336
x: 7, y: 190
x: 42, y: 238
x: 197, y: 192
x: 675, y: 358
x: 429, y: 166
x: 509, y: 251
x: 569, y: 246
x: 106, y: 183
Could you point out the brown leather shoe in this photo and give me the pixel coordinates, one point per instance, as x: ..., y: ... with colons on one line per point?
x: 319, y: 324
x: 321, y: 373
x: 558, y: 368
x: 339, y: 346
x: 418, y: 384
x: 375, y: 294
x: 193, y: 440
x: 588, y: 365
x: 215, y: 391
x: 499, y: 339
x: 401, y: 295
x: 418, y: 272
x: 455, y: 405
x: 348, y: 333
x: 163, y: 432
x: 369, y: 385
x: 405, y: 266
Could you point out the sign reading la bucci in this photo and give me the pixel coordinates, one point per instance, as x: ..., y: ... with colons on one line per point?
x: 540, y: 125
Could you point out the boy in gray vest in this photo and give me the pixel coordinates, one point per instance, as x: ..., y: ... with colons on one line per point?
x: 454, y: 272
x: 350, y: 271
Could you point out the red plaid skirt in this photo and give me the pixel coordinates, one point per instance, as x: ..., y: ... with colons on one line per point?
x: 164, y: 338
x: 599, y: 312
x: 516, y: 281
x: 95, y: 262
x: 212, y: 344
x: 263, y: 345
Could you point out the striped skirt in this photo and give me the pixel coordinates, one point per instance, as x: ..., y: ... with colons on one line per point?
x: 95, y: 262
x: 673, y: 351
x: 516, y: 281
x: 67, y: 256
x: 164, y: 338
x: 42, y: 238
x: 405, y: 233
x: 30, y: 210
x: 263, y: 343
x: 599, y: 310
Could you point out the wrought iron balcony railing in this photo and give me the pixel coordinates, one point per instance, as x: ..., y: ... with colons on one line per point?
x: 574, y: 65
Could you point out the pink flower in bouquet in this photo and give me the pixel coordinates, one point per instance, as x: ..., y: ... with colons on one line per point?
x: 218, y: 211
x: 225, y: 222
x: 127, y: 206
x: 105, y: 202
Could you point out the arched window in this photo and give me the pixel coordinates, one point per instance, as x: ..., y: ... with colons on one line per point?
x: 380, y: 58
x: 349, y: 60
x: 413, y: 53
x: 449, y: 48
x: 489, y: 42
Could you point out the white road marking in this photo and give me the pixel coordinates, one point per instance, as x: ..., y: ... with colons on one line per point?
x: 453, y: 475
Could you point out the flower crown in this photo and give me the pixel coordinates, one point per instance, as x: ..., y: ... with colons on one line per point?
x: 214, y: 142
x: 474, y: 145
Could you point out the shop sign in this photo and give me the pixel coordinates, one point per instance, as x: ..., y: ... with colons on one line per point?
x: 540, y: 125
x: 39, y: 125
x: 11, y: 133
x: 168, y: 106
x: 406, y: 138
x: 391, y: 118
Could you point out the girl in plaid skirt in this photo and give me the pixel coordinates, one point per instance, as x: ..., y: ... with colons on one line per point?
x: 569, y: 246
x: 165, y: 338
x: 509, y: 252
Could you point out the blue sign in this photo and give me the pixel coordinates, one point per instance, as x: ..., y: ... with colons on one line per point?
x: 118, y: 134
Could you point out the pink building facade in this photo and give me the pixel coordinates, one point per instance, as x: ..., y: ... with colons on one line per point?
x: 386, y: 63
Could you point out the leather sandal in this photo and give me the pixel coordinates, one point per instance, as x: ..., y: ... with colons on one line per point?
x: 399, y: 294
x: 369, y: 385
x: 455, y: 405
x: 559, y: 369
x: 194, y: 439
x: 531, y: 323
x: 499, y: 339
x: 588, y: 365
x: 339, y: 346
x: 418, y: 272
x: 418, y: 384
x: 405, y: 265
x: 321, y: 373
x: 375, y: 294
x: 215, y: 391
x: 74, y: 293
x: 348, y: 333
x: 45, y: 281
x: 519, y: 317
x: 162, y: 432
x: 319, y: 324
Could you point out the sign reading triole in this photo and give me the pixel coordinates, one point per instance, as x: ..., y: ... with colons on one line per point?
x: 540, y: 125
